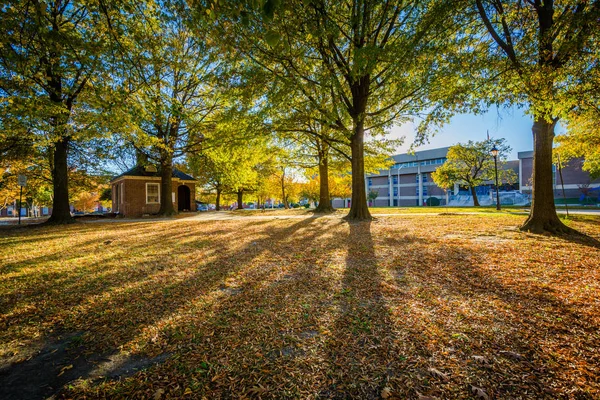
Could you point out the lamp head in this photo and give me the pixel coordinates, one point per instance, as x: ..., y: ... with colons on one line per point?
x: 494, y: 151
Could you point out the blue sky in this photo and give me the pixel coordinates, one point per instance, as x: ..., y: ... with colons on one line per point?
x: 509, y: 123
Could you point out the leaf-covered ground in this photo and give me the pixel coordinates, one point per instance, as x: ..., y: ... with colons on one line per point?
x: 449, y: 306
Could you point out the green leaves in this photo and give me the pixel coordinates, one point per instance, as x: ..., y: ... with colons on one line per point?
x: 472, y: 164
x: 272, y: 38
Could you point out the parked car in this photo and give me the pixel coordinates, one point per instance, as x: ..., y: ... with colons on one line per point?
x: 202, y: 207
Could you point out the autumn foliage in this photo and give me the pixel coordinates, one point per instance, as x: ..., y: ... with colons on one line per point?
x: 447, y: 306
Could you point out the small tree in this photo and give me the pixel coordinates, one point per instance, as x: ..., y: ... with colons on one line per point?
x: 372, y: 195
x: 472, y: 164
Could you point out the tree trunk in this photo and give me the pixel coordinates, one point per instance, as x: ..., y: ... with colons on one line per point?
x: 542, y: 217
x: 324, y: 198
x: 218, y: 201
x: 283, y: 196
x: 166, y: 186
x: 61, y: 214
x: 474, y: 194
x: 359, y: 210
x: 240, y: 201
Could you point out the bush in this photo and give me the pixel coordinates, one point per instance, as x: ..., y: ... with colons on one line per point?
x: 432, y: 201
x: 307, y: 205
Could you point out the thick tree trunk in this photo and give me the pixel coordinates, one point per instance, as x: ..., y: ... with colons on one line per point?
x: 218, y: 201
x: 474, y: 194
x: 359, y: 210
x: 543, y: 217
x: 166, y: 186
x: 324, y: 198
x: 61, y: 214
x: 240, y: 201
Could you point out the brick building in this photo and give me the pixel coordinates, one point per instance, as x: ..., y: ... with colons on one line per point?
x: 137, y: 192
x: 576, y: 181
x: 407, y: 183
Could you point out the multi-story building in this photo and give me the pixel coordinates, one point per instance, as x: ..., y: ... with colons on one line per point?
x: 578, y: 184
x: 409, y: 183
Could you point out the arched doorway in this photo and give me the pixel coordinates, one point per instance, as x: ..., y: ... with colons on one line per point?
x: 183, y: 198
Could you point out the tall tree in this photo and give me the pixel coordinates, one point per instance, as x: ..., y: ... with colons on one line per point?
x: 541, y: 51
x: 52, y: 64
x: 175, y: 96
x: 375, y: 61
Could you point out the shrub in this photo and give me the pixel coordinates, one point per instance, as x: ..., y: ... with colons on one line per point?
x: 432, y: 201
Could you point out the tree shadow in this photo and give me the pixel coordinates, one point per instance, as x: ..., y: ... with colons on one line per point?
x: 582, y: 239
x: 318, y: 308
x: 496, y: 332
x: 148, y: 303
x: 362, y: 354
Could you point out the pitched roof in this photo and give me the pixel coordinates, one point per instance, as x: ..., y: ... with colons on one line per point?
x: 139, y: 170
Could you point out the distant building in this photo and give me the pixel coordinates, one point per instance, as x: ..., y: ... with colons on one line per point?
x: 409, y: 183
x: 137, y: 192
x: 576, y: 181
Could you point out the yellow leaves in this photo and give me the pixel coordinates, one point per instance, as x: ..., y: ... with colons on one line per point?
x: 64, y: 369
x: 386, y: 393
x: 158, y: 394
x: 312, y: 311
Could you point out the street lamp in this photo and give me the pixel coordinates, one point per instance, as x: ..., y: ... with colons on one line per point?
x: 495, y: 152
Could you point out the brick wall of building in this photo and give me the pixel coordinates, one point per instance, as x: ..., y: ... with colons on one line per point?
x: 132, y: 196
x: 573, y: 177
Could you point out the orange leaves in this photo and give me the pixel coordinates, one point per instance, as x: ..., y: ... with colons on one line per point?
x: 414, y: 306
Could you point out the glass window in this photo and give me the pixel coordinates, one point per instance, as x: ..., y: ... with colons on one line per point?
x: 152, y: 193
x: 424, y: 178
x: 424, y: 190
x: 370, y: 182
x: 395, y: 191
x: 395, y: 179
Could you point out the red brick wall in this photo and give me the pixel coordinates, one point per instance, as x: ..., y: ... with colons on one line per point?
x: 409, y: 178
x: 571, y: 172
x: 527, y: 171
x: 132, y: 202
x: 379, y: 180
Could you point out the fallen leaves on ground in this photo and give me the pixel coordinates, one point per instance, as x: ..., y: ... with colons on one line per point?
x: 454, y: 306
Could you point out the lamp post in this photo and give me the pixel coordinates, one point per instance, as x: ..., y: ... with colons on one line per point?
x: 494, y: 152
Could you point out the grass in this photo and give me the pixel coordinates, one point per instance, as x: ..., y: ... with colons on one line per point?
x: 387, y: 210
x: 449, y: 306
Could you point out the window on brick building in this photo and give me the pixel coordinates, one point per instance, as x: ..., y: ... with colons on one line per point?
x: 152, y: 193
